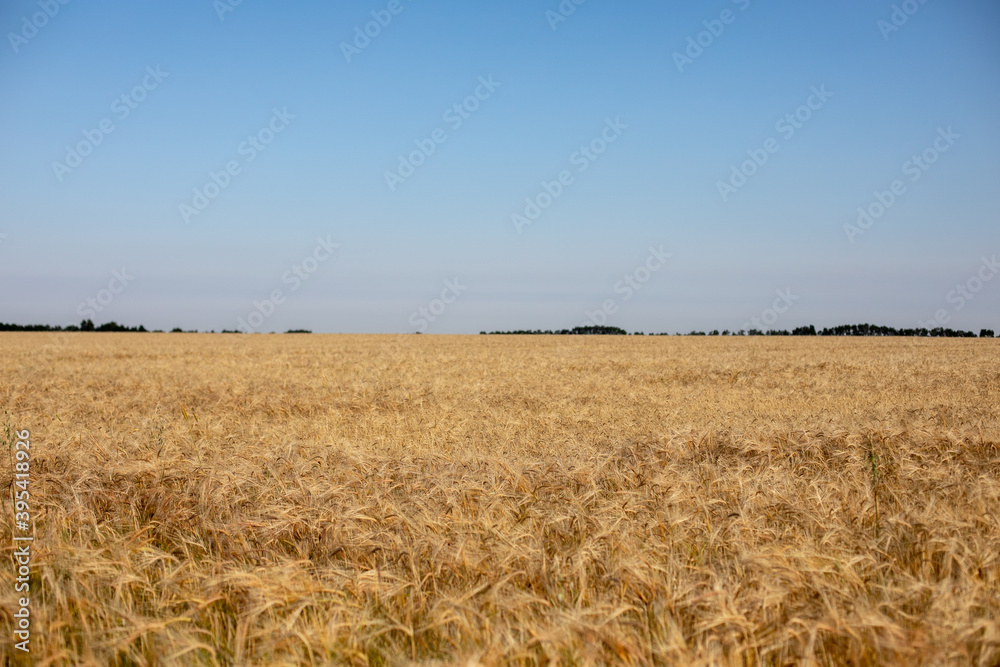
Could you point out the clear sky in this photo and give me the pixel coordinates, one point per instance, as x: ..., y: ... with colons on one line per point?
x: 658, y: 166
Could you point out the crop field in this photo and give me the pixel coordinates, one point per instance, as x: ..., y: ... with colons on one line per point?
x: 491, y: 500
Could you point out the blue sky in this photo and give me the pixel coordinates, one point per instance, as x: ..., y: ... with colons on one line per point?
x: 227, y: 79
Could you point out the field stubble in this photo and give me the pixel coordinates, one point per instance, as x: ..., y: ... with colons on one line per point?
x: 209, y: 499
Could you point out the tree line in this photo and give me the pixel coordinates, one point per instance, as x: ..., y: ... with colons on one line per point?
x: 88, y: 325
x: 841, y: 330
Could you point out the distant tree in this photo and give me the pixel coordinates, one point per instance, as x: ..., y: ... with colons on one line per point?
x: 986, y: 333
x: 87, y: 325
x: 597, y: 331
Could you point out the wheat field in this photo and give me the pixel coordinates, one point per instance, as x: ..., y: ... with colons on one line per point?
x: 492, y: 500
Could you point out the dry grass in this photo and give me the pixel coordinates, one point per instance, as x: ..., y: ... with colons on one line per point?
x: 497, y: 500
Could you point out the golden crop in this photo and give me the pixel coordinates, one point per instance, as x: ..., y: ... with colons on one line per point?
x: 283, y: 499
